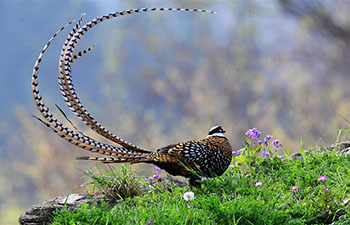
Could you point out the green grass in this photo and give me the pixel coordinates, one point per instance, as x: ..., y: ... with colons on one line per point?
x: 234, y: 199
x: 118, y: 184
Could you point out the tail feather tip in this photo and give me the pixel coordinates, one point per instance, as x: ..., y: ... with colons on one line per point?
x: 82, y: 158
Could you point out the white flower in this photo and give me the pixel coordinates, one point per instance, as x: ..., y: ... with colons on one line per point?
x: 257, y: 184
x: 188, y: 196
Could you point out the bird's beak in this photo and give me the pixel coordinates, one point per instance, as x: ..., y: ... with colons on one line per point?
x: 224, y: 131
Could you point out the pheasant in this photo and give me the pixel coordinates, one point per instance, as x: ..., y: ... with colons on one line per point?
x: 210, y: 156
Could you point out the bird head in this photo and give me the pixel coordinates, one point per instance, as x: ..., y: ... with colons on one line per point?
x: 216, y: 131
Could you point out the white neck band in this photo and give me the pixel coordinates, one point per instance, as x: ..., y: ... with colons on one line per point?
x: 216, y: 135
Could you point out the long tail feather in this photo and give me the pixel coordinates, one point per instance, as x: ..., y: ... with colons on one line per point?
x: 81, y: 53
x: 83, y: 142
x: 65, y: 82
x: 69, y: 121
x: 120, y: 153
x: 115, y: 159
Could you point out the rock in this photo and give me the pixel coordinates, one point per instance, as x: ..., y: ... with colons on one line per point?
x: 342, y: 147
x: 42, y: 213
x: 165, y: 181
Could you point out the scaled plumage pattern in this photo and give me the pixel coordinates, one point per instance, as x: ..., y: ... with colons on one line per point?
x: 210, y: 156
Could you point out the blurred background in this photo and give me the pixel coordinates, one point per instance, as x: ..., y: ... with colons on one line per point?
x: 164, y: 77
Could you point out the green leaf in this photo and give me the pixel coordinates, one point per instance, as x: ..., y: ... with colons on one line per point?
x: 302, y: 152
x: 286, y: 153
x: 347, y: 129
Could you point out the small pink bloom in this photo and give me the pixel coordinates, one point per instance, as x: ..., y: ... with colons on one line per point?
x: 295, y: 189
x: 325, y: 189
x: 203, y: 178
x: 322, y: 178
x: 257, y: 184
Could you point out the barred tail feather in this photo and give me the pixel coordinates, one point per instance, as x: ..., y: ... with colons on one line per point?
x: 69, y: 121
x: 119, y: 152
x: 76, y: 106
x: 65, y: 81
x: 67, y: 134
x: 115, y: 159
x: 81, y: 53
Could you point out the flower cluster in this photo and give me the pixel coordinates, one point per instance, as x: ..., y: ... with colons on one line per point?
x: 277, y: 144
x: 157, y: 175
x: 253, y: 133
x: 254, y: 144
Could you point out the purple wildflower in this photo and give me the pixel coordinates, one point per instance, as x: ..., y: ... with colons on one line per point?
x: 277, y: 144
x: 267, y: 138
x: 156, y: 169
x: 253, y: 133
x: 259, y: 142
x: 257, y: 184
x: 265, y: 154
x: 322, y: 178
x: 295, y: 189
x: 155, y: 177
x: 325, y: 189
x: 237, y: 153
x: 150, y: 220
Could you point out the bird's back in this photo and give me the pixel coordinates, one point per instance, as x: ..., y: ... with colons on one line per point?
x: 210, y: 156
